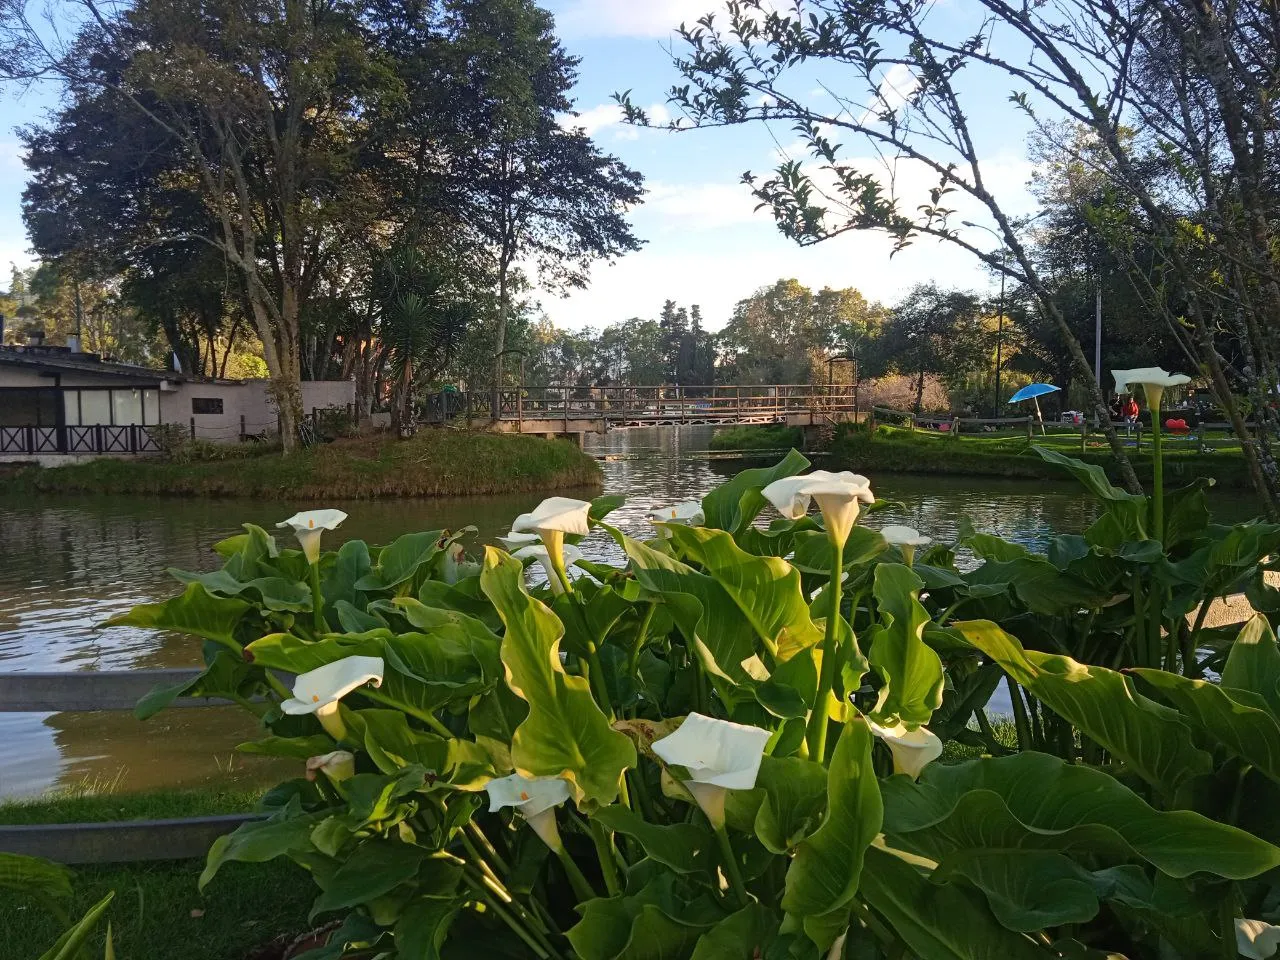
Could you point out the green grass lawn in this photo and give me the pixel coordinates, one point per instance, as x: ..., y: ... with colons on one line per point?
x: 762, y: 437
x: 435, y: 463
x: 157, y: 913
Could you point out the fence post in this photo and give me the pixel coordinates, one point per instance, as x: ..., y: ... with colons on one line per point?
x: 955, y: 426
x: 911, y: 422
x: 1084, y: 434
x: 565, y: 388
x: 193, y: 428
x: 1030, y: 428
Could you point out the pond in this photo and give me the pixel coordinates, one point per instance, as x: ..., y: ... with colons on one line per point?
x: 69, y: 563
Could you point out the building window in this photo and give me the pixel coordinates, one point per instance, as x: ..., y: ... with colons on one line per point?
x: 206, y: 405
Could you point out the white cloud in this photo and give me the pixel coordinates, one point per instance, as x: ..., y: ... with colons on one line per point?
x: 629, y: 18
x: 608, y: 116
x: 700, y: 206
x: 11, y: 152
x: 896, y: 87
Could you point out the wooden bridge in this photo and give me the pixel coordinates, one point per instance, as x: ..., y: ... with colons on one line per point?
x: 574, y: 411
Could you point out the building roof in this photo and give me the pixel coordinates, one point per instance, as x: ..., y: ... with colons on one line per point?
x: 62, y: 360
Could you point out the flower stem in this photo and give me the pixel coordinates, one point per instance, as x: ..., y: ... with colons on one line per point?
x: 317, y: 612
x: 482, y: 893
x: 1157, y: 483
x: 581, y: 887
x: 816, y: 736
x: 597, y: 681
x: 373, y: 693
x: 1020, y: 720
x: 604, y: 852
x: 732, y: 872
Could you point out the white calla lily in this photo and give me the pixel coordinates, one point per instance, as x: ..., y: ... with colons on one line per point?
x: 1153, y: 380
x: 318, y: 691
x: 538, y: 552
x: 1257, y: 939
x: 838, y: 496
x: 718, y: 755
x: 555, y: 514
x: 912, y: 750
x: 308, y: 525
x: 906, y: 539
x: 688, y: 514
x: 337, y: 765
x: 551, y: 520
x: 535, y: 798
x: 514, y: 541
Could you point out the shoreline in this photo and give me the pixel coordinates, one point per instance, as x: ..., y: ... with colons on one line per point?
x: 433, y: 464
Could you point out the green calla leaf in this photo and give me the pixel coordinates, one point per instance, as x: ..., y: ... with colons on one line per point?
x: 794, y: 799
x: 400, y: 560
x: 739, y: 936
x: 912, y: 670
x: 1254, y: 663
x: 273, y: 593
x: 196, y: 612
x: 223, y: 678
x: 565, y: 734
x: 825, y: 872
x: 376, y: 867
x: 684, y: 847
x: 1153, y: 739
x: 71, y: 944
x: 1033, y: 801
x: 351, y: 564
x: 258, y: 841
x: 732, y: 506
x: 299, y: 748
x: 655, y: 923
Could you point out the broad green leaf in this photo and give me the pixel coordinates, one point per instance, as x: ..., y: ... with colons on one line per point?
x: 565, y: 734
x: 37, y: 879
x: 493, y: 719
x: 423, y: 927
x: 374, y: 868
x: 1027, y: 890
x: 766, y: 590
x: 71, y: 943
x: 273, y: 593
x: 1151, y: 738
x: 1245, y: 730
x: 912, y: 670
x: 223, y: 678
x: 351, y: 564
x: 354, y: 620
x: 1254, y: 663
x: 393, y: 745
x: 196, y: 612
x: 400, y: 560
x: 1186, y: 512
x: 300, y: 748
x: 794, y: 798
x: 1092, y: 476
x: 258, y: 841
x: 460, y: 597
x: 938, y: 922
x: 1033, y: 801
x: 684, y: 847
x: 814, y: 554
x: 739, y: 936
x: 827, y: 866
x: 656, y: 923
x: 734, y: 505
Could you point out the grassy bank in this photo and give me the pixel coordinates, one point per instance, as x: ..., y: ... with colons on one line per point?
x: 157, y: 911
x: 435, y: 463
x: 896, y: 450
x: 756, y: 438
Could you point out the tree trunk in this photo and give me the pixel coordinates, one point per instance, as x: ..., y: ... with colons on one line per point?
x: 500, y: 340
x: 919, y: 391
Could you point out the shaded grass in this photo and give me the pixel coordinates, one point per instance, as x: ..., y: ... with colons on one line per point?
x: 158, y: 913
x: 893, y: 449
x: 435, y: 463
x: 756, y: 438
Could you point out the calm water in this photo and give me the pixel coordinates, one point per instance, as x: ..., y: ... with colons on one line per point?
x: 69, y: 563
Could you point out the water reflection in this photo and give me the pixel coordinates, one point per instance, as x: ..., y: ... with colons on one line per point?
x: 69, y: 563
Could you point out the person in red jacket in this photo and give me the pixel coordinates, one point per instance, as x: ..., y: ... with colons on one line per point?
x: 1130, y: 408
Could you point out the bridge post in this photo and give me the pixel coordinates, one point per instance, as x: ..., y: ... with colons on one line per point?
x: 565, y: 388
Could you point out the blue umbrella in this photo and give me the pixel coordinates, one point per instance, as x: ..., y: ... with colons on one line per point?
x: 1033, y: 392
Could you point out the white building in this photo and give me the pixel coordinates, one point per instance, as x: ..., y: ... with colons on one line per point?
x: 57, y: 405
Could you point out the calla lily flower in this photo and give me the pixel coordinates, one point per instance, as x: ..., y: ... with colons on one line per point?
x: 309, y: 525
x: 318, y: 691
x: 718, y: 755
x: 556, y: 515
x: 538, y: 552
x: 687, y: 514
x: 1153, y: 380
x: 535, y: 798
x: 1256, y: 939
x: 838, y: 496
x: 551, y: 520
x: 906, y: 539
x: 912, y: 750
x: 337, y: 765
x: 514, y: 541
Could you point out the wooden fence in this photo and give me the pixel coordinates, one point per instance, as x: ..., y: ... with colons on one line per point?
x: 118, y: 841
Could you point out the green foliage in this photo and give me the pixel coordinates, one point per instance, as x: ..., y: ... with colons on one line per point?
x: 512, y: 783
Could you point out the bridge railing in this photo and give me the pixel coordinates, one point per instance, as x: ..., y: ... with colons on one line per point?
x: 684, y: 402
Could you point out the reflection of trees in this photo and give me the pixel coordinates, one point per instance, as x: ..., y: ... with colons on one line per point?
x: 176, y: 748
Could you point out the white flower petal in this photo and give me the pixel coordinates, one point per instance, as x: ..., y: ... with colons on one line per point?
x: 900, y: 536
x: 330, y: 683
x: 1143, y: 376
x: 337, y: 765
x: 912, y: 750
x: 563, y: 514
x: 688, y: 513
x: 514, y: 541
x: 314, y: 520
x: 1256, y: 939
x: 715, y: 752
x: 531, y: 796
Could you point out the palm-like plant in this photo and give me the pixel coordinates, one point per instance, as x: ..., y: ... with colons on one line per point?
x: 423, y: 313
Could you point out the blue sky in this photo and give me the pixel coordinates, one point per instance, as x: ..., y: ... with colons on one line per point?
x: 704, y: 242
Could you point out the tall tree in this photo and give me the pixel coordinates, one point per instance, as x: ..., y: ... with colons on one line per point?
x: 933, y: 331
